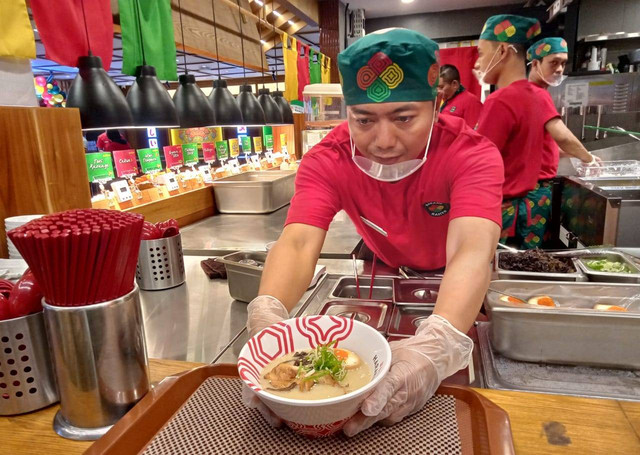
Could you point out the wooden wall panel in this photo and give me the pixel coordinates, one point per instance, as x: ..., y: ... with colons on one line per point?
x: 330, y: 33
x: 42, y: 165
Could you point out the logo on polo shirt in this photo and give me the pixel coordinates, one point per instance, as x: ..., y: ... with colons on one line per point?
x: 453, y: 109
x: 437, y: 208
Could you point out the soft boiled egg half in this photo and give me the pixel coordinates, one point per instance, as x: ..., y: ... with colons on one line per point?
x: 542, y: 300
x: 351, y: 359
x: 510, y: 299
x: 603, y: 307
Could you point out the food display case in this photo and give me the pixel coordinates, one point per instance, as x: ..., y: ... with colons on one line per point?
x: 324, y: 109
x: 130, y: 169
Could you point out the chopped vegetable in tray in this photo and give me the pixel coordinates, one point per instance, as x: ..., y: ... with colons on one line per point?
x: 605, y: 265
x: 535, y: 261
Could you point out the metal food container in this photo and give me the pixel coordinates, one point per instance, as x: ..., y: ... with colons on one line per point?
x: 346, y: 288
x: 405, y: 319
x: 374, y: 314
x: 254, y: 192
x: 244, y: 271
x: 160, y: 264
x: 505, y: 274
x: 27, y: 381
x: 609, y: 277
x: 572, y: 333
x: 415, y: 292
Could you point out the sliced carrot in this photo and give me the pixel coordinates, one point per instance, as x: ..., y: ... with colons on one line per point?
x: 341, y: 354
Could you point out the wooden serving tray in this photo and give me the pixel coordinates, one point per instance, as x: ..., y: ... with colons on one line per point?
x: 483, y: 427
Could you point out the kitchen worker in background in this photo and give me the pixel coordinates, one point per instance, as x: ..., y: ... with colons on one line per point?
x: 422, y: 192
x: 548, y: 58
x: 112, y: 140
x: 457, y: 101
x: 512, y: 120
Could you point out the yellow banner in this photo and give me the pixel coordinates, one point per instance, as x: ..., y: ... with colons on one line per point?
x: 16, y: 34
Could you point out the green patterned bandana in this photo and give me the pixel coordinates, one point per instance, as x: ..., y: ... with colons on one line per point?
x: 509, y: 28
x: 546, y: 46
x: 389, y: 66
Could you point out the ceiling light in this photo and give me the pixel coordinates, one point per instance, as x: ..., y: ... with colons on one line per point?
x: 275, y: 13
x: 263, y: 41
x: 101, y: 103
x: 407, y: 1
x: 258, y: 2
x: 290, y: 22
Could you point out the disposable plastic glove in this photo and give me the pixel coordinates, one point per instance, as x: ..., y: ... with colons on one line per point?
x: 262, y: 312
x: 418, y: 365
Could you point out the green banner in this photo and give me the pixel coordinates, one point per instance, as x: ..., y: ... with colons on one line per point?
x: 190, y: 154
x: 149, y: 160
x: 246, y: 144
x: 99, y: 166
x: 222, y: 150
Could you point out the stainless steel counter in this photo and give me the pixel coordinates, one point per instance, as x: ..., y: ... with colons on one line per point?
x: 198, y: 320
x: 222, y: 234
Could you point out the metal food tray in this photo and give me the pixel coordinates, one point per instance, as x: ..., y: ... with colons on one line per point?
x: 243, y: 279
x: 505, y: 274
x: 374, y: 314
x: 609, y: 277
x: 254, y: 192
x: 346, y: 288
x: 572, y: 333
x: 406, y: 318
x: 415, y: 292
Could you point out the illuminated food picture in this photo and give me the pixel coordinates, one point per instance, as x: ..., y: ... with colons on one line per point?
x: 315, y: 374
x: 605, y: 265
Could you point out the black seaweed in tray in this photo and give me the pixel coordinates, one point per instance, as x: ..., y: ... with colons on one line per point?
x: 535, y: 261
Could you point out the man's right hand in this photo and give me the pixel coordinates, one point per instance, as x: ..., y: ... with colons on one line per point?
x: 264, y: 311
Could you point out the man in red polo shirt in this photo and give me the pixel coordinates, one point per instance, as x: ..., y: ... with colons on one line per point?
x: 421, y: 192
x: 457, y: 101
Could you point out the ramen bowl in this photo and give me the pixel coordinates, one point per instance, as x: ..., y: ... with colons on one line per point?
x: 314, y: 418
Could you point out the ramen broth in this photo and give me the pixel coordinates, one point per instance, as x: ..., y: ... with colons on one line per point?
x: 286, y: 378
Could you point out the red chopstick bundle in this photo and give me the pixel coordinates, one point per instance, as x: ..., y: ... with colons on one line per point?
x: 81, y: 257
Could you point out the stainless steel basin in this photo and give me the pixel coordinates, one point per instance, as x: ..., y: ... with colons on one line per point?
x: 254, y: 192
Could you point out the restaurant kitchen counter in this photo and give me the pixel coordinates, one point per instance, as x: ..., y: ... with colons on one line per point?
x: 197, y: 320
x: 549, y: 424
x: 225, y: 233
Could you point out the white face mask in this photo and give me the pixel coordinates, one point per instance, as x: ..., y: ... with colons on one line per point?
x: 480, y: 75
x: 391, y: 172
x: 554, y: 81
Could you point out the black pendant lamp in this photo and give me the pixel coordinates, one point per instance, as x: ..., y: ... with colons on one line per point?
x: 252, y: 113
x: 148, y: 100
x: 191, y: 104
x: 284, y: 106
x: 278, y: 96
x: 272, y: 112
x: 102, y: 104
x: 225, y: 108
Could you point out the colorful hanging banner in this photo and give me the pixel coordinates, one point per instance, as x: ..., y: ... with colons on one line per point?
x: 257, y: 144
x: 125, y: 162
x: 16, y: 36
x: 190, y: 154
x: 172, y: 156
x: 150, y: 160
x: 222, y: 150
x: 246, y: 144
x: 99, y: 166
x: 209, y: 152
x: 234, y: 148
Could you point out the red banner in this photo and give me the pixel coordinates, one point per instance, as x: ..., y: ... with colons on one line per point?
x: 463, y: 58
x: 125, y: 162
x: 209, y: 151
x: 61, y: 28
x: 173, y: 155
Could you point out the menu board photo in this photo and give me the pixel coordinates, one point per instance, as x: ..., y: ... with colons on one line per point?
x: 246, y: 144
x: 268, y: 142
x: 209, y: 152
x: 99, y: 166
x: 172, y: 156
x: 126, y: 164
x: 257, y: 144
x: 149, y: 160
x: 222, y: 150
x: 234, y: 148
x: 190, y: 154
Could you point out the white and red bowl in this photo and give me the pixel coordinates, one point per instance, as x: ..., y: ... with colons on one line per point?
x: 314, y: 418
